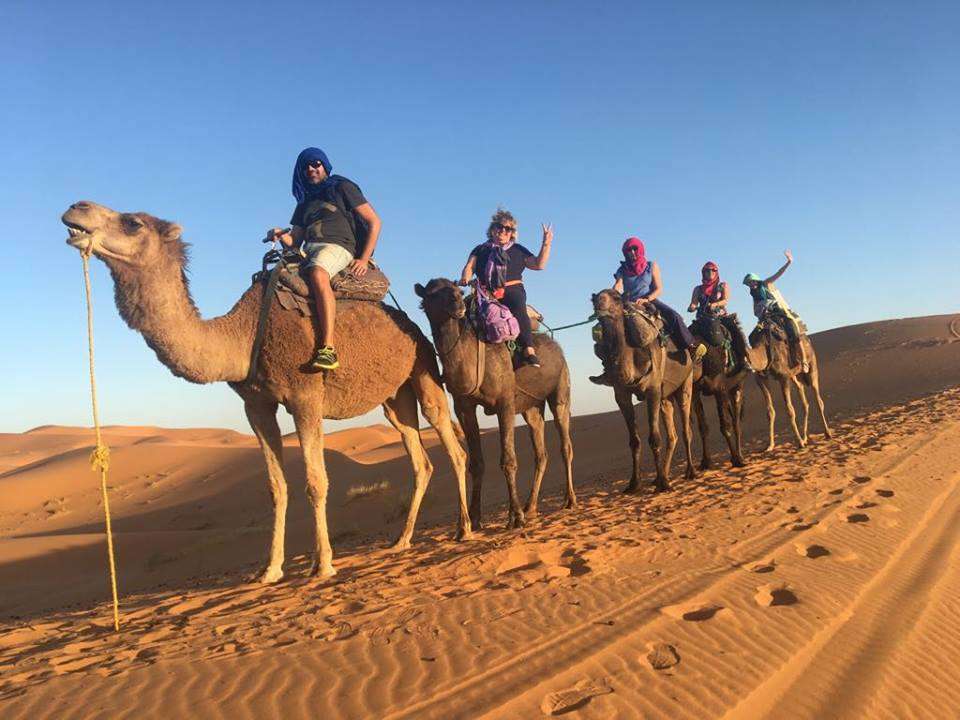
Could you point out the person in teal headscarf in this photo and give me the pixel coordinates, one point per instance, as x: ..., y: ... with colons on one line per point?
x: 769, y: 304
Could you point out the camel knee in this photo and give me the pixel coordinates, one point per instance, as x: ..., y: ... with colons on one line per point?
x: 316, y: 492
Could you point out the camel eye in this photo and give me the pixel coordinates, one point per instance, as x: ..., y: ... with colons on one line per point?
x: 131, y: 223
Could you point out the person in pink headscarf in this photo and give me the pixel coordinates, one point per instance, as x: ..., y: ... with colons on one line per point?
x: 709, y: 301
x: 638, y: 281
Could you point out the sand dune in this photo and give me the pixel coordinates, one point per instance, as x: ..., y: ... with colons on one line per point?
x: 821, y: 582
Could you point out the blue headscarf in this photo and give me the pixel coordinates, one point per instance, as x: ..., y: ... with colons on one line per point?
x: 303, y: 189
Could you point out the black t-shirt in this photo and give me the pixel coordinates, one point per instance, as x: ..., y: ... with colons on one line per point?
x: 322, y: 218
x: 516, y: 260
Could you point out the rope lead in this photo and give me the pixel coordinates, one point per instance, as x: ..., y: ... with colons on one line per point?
x: 100, y: 457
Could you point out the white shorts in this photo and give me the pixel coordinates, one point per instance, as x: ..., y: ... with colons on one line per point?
x: 329, y: 256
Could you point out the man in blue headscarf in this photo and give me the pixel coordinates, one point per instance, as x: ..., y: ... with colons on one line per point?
x: 336, y: 228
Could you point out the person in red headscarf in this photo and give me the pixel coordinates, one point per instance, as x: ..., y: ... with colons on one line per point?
x: 709, y: 301
x: 638, y: 281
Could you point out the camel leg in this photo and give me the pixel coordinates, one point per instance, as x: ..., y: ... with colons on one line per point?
x: 791, y: 413
x: 401, y: 412
x: 262, y: 416
x: 309, y: 422
x: 666, y: 411
x: 560, y: 407
x: 814, y: 376
x: 654, y: 402
x: 433, y: 404
x: 684, y: 400
x: 625, y: 403
x: 468, y: 421
x: 506, y: 417
x: 534, y: 418
x: 771, y: 411
x: 804, y: 405
x: 736, y: 407
x: 723, y: 411
x: 705, y: 462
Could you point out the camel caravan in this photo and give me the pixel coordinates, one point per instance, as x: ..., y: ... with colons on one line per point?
x: 313, y: 333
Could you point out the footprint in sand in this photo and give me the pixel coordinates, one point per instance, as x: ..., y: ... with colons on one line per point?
x: 563, y: 700
x: 696, y: 612
x: 858, y: 518
x: 864, y: 505
x: 884, y: 493
x: 766, y: 567
x: 662, y: 656
x: 773, y: 595
x: 838, y: 491
x: 812, y: 551
x: 861, y: 479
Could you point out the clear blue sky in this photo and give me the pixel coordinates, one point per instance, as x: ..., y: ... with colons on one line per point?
x: 724, y: 131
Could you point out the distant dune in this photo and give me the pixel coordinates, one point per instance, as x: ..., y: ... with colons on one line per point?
x: 813, y: 583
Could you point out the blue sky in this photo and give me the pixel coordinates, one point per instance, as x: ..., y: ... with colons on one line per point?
x: 723, y: 131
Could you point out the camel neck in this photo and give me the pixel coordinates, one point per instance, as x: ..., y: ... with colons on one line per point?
x: 456, y: 343
x: 156, y: 302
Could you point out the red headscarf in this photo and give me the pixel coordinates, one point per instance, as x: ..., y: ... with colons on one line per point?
x: 709, y: 286
x: 634, y: 265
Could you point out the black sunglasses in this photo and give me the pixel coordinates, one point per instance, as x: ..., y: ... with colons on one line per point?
x: 315, y: 163
x: 500, y: 226
x: 631, y: 251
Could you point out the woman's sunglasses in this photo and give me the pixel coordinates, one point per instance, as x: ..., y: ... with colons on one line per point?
x: 631, y: 251
x: 500, y: 227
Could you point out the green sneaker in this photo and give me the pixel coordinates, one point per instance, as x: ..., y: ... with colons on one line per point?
x: 699, y: 352
x: 325, y: 359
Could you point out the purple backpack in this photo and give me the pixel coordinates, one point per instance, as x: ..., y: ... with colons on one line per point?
x: 495, y: 321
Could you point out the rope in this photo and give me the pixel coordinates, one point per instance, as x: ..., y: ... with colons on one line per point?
x: 553, y: 330
x: 390, y: 293
x: 100, y: 457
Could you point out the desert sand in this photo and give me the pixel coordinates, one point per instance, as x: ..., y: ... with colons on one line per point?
x: 815, y: 582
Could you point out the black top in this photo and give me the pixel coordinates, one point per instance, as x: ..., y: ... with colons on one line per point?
x: 516, y: 260
x: 323, y: 216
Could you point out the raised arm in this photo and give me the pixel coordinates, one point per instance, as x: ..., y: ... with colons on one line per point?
x: 540, y: 261
x: 776, y: 276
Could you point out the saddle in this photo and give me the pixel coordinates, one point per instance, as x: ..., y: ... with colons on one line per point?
x: 637, y: 321
x: 714, y: 333
x: 293, y: 291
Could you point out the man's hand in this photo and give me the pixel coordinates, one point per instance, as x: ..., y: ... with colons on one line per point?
x: 463, y: 281
x: 788, y: 255
x: 278, y: 234
x: 359, y: 267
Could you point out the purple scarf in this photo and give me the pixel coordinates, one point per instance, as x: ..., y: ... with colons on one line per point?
x: 494, y: 273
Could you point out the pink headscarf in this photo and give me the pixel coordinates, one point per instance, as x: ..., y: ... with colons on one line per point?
x: 634, y: 265
x: 709, y: 286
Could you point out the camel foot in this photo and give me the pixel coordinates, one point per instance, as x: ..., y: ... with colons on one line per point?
x: 706, y: 465
x: 661, y: 486
x: 769, y: 447
x: 530, y: 512
x: 571, y: 503
x: 690, y: 474
x: 828, y: 433
x: 268, y: 576
x: 464, y: 533
x: 516, y: 521
x: 738, y: 462
x: 322, y: 571
x: 402, y: 543
x: 632, y: 489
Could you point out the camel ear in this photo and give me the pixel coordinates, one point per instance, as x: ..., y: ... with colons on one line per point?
x: 169, y: 231
x: 420, y: 290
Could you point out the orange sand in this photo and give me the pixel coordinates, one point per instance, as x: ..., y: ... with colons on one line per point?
x: 822, y: 582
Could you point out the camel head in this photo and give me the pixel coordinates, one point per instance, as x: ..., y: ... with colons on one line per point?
x: 122, y: 240
x: 441, y: 300
x: 631, y: 363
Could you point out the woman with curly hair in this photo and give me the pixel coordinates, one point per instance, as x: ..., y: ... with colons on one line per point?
x: 499, y: 264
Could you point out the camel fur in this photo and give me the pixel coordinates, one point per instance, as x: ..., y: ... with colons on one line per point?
x: 772, y: 361
x: 385, y: 359
x: 501, y: 390
x: 640, y: 366
x: 726, y: 387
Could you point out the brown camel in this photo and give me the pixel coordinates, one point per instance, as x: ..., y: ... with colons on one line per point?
x: 386, y: 361
x: 641, y: 366
x: 726, y: 386
x: 771, y: 359
x: 476, y: 373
